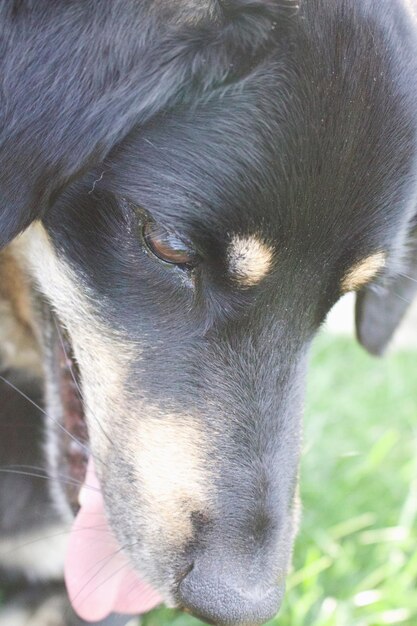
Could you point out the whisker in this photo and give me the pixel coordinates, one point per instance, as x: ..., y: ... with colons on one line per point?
x: 401, y: 298
x: 106, y: 580
x: 20, y: 546
x: 409, y: 278
x: 107, y: 559
x: 61, y: 339
x: 132, y: 588
x: 22, y: 393
x: 39, y: 408
x: 42, y: 473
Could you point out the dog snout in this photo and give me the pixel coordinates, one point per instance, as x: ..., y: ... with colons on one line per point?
x: 233, y: 600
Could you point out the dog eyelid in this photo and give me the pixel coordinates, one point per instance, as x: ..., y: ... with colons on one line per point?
x: 167, y: 245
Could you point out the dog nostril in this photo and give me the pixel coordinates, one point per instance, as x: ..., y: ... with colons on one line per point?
x: 227, y: 602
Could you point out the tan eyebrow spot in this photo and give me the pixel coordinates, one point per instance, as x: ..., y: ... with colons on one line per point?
x: 363, y: 272
x: 250, y: 260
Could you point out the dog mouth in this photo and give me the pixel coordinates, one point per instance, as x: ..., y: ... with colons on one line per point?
x: 73, y: 436
x: 100, y: 578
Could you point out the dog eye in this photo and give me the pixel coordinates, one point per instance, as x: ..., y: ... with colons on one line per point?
x: 168, y: 246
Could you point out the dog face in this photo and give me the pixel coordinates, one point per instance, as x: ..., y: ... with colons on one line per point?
x: 191, y: 269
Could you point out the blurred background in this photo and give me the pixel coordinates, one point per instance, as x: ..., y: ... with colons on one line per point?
x: 355, y: 561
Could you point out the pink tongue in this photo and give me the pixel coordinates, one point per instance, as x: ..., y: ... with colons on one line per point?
x: 98, y: 575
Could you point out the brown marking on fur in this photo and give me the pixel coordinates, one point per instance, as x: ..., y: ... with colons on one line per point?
x: 250, y: 260
x: 14, y: 288
x: 18, y: 344
x: 170, y: 461
x: 363, y: 272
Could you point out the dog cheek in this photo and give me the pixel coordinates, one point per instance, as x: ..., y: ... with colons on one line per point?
x: 103, y: 382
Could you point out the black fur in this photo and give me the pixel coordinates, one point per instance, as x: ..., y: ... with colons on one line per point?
x: 227, y: 119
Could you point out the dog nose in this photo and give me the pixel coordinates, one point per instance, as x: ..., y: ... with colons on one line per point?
x: 228, y: 602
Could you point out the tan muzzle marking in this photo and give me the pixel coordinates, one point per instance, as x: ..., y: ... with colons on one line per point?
x: 171, y: 465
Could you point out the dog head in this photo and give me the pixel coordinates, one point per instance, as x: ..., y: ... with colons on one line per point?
x: 199, y: 208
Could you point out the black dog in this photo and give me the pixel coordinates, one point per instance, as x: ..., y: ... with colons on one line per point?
x: 198, y: 183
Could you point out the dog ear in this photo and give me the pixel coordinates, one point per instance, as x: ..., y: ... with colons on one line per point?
x: 55, y: 135
x: 63, y: 112
x: 74, y: 83
x: 381, y: 308
x: 77, y: 80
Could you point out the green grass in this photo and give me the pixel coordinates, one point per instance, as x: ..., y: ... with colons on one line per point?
x: 355, y: 561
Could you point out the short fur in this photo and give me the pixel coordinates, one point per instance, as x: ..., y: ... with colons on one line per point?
x: 224, y: 121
